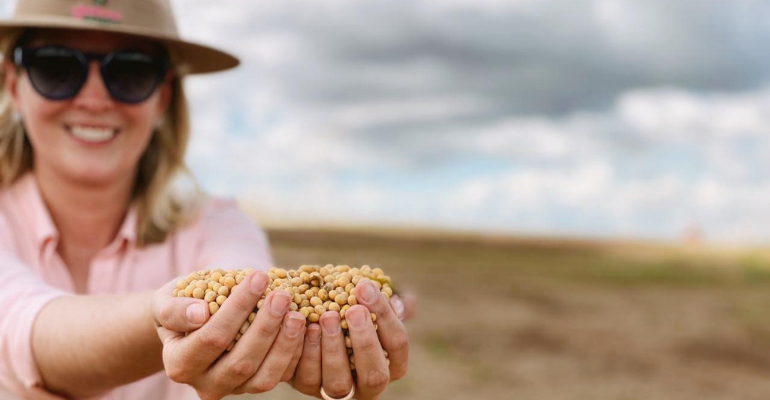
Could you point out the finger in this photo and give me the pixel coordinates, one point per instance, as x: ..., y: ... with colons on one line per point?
x: 178, y: 314
x: 243, y: 361
x: 308, y: 377
x: 336, y: 378
x: 205, y: 345
x: 279, y: 357
x: 166, y: 336
x: 292, y: 368
x: 404, y: 306
x: 372, y: 374
x: 176, y: 371
x: 391, y: 331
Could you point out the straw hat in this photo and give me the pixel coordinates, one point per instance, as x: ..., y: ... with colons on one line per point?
x: 152, y: 19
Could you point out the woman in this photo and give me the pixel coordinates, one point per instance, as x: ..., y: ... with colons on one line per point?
x: 94, y: 232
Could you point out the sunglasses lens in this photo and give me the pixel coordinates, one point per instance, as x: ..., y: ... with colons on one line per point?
x: 56, y: 73
x: 132, y: 77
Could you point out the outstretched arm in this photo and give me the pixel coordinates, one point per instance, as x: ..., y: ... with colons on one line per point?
x: 86, y: 345
x: 53, y: 343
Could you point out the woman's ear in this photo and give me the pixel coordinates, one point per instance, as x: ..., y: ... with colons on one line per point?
x: 10, y: 81
x: 166, y: 92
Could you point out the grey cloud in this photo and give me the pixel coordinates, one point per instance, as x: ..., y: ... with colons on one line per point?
x: 556, y: 60
x: 553, y: 60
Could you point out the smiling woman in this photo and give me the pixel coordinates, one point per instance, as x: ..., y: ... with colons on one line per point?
x: 64, y: 94
x: 93, y: 227
x: 95, y: 129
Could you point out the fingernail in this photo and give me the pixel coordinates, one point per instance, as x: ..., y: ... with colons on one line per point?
x: 293, y: 326
x: 398, y: 306
x: 195, y: 314
x: 357, y: 317
x: 280, y: 303
x: 331, y: 324
x: 259, y: 283
x: 368, y: 292
x: 313, y: 334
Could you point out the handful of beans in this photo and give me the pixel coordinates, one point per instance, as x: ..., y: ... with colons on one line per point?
x: 315, y: 290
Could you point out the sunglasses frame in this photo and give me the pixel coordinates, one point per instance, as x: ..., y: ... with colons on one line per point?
x: 23, y: 57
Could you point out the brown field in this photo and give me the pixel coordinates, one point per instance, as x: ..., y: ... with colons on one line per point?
x: 565, y: 320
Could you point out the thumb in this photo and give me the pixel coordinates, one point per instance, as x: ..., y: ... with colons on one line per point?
x: 178, y: 314
x: 404, y: 306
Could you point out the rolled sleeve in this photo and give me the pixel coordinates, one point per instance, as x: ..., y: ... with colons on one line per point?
x: 231, y: 239
x: 22, y: 301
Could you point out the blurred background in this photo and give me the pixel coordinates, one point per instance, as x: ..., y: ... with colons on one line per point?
x: 600, y: 118
x: 577, y: 190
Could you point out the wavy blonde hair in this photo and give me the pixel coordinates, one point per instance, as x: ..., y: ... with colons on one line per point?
x: 162, y: 207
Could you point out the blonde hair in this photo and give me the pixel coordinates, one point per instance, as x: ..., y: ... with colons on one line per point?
x: 162, y: 207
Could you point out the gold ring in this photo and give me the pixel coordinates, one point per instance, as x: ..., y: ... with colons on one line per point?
x: 348, y: 397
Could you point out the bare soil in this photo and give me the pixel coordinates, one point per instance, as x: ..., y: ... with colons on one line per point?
x: 536, y: 319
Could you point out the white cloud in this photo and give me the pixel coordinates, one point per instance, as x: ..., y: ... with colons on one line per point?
x: 675, y: 114
x: 724, y: 187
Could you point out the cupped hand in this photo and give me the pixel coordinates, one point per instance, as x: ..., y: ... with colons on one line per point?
x: 325, y: 362
x: 195, y: 342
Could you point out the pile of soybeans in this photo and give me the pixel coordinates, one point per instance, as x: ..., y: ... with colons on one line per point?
x: 315, y: 290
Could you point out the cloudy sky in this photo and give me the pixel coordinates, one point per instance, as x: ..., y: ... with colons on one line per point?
x: 569, y: 117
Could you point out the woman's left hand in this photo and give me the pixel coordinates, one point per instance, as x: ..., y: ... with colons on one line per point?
x: 324, y: 359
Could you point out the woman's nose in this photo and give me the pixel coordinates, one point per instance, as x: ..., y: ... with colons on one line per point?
x: 94, y: 96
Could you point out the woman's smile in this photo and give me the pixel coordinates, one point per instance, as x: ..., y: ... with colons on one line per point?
x: 91, y: 134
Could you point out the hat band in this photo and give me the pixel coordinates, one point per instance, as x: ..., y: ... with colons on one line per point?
x: 150, y: 15
x: 82, y: 11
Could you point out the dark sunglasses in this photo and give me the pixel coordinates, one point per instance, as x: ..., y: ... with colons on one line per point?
x: 58, y: 72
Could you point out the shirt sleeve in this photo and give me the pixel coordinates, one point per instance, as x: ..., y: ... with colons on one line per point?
x: 23, y: 297
x: 231, y: 239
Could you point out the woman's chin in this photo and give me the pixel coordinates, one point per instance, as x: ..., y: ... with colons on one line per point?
x: 93, y: 175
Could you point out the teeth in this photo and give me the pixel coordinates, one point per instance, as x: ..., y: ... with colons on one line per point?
x: 92, y: 135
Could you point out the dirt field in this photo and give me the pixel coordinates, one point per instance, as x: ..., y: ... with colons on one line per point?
x: 541, y: 320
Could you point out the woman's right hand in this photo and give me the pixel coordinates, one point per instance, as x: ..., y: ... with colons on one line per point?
x: 269, y: 349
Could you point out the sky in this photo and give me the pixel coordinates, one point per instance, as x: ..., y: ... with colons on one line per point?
x: 600, y: 118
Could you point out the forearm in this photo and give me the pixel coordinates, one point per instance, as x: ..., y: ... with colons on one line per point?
x: 85, y: 345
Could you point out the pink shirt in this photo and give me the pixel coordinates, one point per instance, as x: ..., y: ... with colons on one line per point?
x: 35, y: 274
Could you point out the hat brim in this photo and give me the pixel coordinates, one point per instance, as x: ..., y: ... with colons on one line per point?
x: 196, y: 58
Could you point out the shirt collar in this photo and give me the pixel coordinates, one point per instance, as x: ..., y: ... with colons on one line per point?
x: 44, y: 230
x: 128, y: 229
x: 31, y: 201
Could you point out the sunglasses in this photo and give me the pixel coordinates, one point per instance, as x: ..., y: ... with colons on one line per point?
x: 58, y: 72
